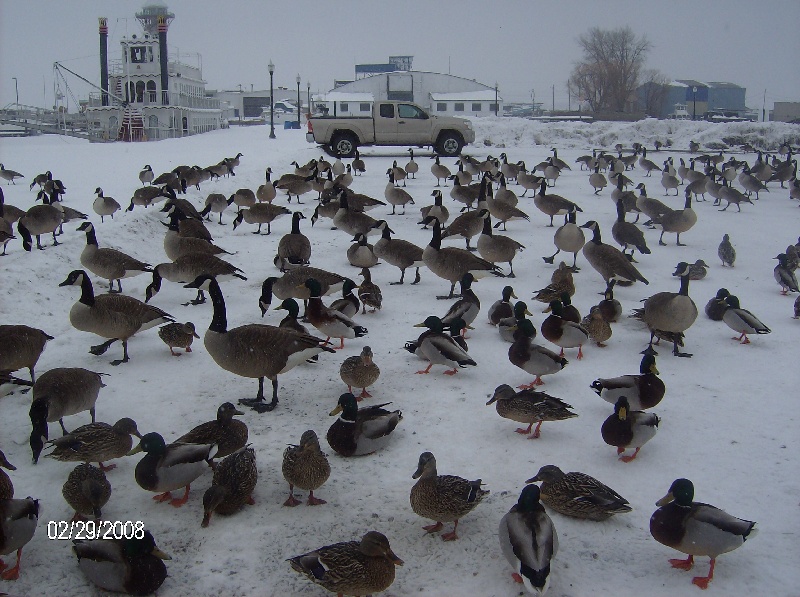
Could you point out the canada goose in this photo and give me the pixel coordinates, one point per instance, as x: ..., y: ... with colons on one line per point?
x: 355, y: 201
x: 652, y: 208
x: 750, y: 183
x: 176, y: 246
x: 183, y: 207
x: 359, y: 167
x: 529, y: 182
x: 786, y: 171
x: 40, y: 179
x: 254, y: 350
x: 116, y: 317
x: 504, y: 212
x: 412, y: 167
x: 466, y: 194
x: 146, y: 175
x: 671, y: 311
x: 451, y: 263
x: 59, y: 393
x: 669, y: 181
x: 610, y: 262
x: 761, y: 169
x: 679, y: 220
x: 437, y: 210
x: 361, y: 254
x: 504, y: 194
x: 439, y: 171
x: 188, y: 267
x: 597, y: 180
x: 38, y: 220
x: 104, y: 206
x: 217, y: 203
x: 6, y: 231
x: 628, y: 233
x: 9, y: 175
x: 466, y: 224
x: 569, y: 238
x: 260, y: 213
x: 509, y: 171
x: 396, y: 196
x: 290, y: 285
x: 397, y: 252
x: 497, y: 248
x: 647, y: 165
x: 20, y: 347
x: 296, y: 186
x: 784, y: 275
x: 553, y: 205
x: 352, y: 222
x: 294, y: 248
x: 9, y: 213
x: 109, y: 264
x: 145, y: 196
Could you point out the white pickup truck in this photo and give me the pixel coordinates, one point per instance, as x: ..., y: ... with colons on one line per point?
x: 391, y: 123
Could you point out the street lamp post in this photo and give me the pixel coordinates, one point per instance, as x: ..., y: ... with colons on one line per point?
x: 308, y: 85
x: 16, y: 89
x: 694, y: 103
x: 495, y: 99
x: 271, y: 68
x: 297, y: 79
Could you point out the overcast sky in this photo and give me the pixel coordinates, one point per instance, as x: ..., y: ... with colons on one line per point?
x: 521, y: 45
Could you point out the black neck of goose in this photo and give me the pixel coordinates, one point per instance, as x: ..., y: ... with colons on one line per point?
x: 296, y: 223
x: 87, y: 292
x: 620, y: 211
x: 572, y: 217
x: 684, y: 290
x: 219, y: 323
x: 91, y: 236
x: 173, y: 225
x: 386, y: 234
x: 437, y: 200
x: 487, y: 226
x: 269, y: 176
x: 596, y: 235
x: 688, y: 203
x: 156, y: 284
x: 436, y: 240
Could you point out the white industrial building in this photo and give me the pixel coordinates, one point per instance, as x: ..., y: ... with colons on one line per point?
x: 437, y: 93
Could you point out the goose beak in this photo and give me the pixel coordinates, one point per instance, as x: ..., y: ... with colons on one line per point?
x: 665, y: 500
x: 336, y: 410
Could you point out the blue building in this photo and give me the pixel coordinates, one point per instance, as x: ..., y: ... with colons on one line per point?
x: 687, y: 98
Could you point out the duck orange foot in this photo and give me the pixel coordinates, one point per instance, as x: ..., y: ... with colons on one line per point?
x: 432, y: 528
x: 517, y: 578
x: 163, y: 497
x: 683, y: 564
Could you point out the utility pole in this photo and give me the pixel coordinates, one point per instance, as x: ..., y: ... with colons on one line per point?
x: 533, y: 102
x: 554, y: 98
x: 764, y: 107
x: 569, y: 99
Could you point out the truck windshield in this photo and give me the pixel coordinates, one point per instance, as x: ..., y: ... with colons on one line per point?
x: 387, y: 110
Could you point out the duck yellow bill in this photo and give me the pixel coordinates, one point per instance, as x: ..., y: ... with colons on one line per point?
x: 160, y: 554
x: 136, y: 450
x: 336, y: 410
x: 665, y: 500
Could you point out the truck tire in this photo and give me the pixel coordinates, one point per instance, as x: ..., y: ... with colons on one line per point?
x: 449, y: 143
x: 344, y: 144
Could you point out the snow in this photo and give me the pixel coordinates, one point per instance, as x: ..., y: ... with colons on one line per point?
x: 728, y: 421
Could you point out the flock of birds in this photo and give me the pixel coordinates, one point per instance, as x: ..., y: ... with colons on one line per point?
x: 482, y: 200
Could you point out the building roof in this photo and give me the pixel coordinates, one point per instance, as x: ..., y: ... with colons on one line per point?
x: 337, y: 96
x: 723, y: 85
x: 691, y: 83
x: 484, y: 95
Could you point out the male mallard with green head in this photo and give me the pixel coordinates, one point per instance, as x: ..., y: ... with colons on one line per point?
x: 360, y: 431
x: 642, y: 391
x: 628, y: 429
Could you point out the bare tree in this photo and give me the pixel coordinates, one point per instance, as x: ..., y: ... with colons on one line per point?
x: 611, y: 67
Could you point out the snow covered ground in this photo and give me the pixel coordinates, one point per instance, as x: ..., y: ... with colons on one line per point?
x: 728, y: 422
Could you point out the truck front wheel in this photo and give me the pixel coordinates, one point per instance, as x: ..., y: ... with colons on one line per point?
x: 344, y: 144
x: 449, y: 144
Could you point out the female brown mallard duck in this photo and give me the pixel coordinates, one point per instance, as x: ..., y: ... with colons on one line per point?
x: 597, y: 326
x: 360, y: 372
x: 134, y: 566
x: 443, y: 498
x: 628, y: 429
x: 227, y: 433
x: 369, y: 293
x: 178, y: 335
x: 529, y: 406
x: 696, y: 529
x: 96, y: 442
x: 86, y: 490
x: 6, y: 486
x: 578, y: 494
x: 643, y: 391
x: 351, y: 567
x: 234, y: 480
x: 360, y: 431
x: 560, y: 282
x: 305, y: 467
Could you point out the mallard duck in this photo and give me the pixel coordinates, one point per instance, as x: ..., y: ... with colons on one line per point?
x: 20, y: 347
x: 291, y: 321
x: 578, y: 494
x: 561, y: 281
x: 168, y: 467
x: 610, y: 308
x: 18, y: 519
x: 784, y: 275
x: 360, y: 431
x: 96, y: 442
x: 360, y: 372
x: 596, y: 325
x: 369, y: 293
x: 508, y: 325
x: 533, y: 358
x: 642, y: 391
x: 529, y: 406
x: 132, y: 565
x: 568, y: 310
x: 332, y: 323
x: 290, y: 285
x: 742, y: 321
x: 232, y: 487
x: 86, y: 490
x: 178, y: 335
x: 467, y: 307
x: 569, y: 238
x: 697, y: 270
x: 529, y: 541
x: 58, y: 393
x: 671, y: 311
x: 502, y: 308
x: 628, y: 429
x: 351, y: 567
x: 227, y: 433
x: 563, y: 333
x: 608, y: 261
x: 696, y: 529
x: 439, y: 348
x: 254, y: 350
x: 116, y: 317
x: 306, y: 467
x: 6, y: 486
x: 443, y: 498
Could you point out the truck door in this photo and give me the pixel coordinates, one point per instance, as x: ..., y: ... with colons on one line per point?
x: 386, y: 124
x: 413, y: 125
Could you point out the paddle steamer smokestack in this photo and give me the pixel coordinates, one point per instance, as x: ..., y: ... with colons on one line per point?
x: 163, y: 25
x: 104, y: 59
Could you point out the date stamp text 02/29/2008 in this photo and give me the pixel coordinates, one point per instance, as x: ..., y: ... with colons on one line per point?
x: 60, y: 530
